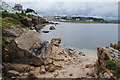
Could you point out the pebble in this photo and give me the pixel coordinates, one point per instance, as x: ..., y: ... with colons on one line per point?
x: 56, y: 74
x: 70, y: 74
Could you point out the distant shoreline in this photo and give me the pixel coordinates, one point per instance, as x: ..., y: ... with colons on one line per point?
x: 89, y: 22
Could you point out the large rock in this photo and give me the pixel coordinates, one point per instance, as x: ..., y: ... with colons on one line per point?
x: 14, y: 31
x: 59, y: 64
x: 28, y: 40
x: 89, y: 66
x: 42, y: 70
x: 19, y: 51
x: 32, y: 75
x: 56, y: 41
x: 17, y: 67
x: 13, y: 73
x: 50, y: 68
x: 52, y: 28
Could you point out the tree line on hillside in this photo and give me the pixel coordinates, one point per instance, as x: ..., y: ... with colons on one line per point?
x: 80, y: 18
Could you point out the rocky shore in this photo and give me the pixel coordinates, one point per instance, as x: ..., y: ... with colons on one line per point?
x: 26, y: 55
x: 108, y: 64
x: 56, y: 62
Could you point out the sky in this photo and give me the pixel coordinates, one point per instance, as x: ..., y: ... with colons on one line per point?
x: 106, y: 10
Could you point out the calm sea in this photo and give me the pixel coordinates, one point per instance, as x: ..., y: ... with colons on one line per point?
x: 83, y: 36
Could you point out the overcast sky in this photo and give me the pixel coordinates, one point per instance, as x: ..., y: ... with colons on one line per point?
x: 106, y: 10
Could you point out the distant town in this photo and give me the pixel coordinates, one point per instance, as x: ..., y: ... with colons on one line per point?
x: 73, y: 18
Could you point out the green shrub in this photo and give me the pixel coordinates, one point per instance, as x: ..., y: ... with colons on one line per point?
x: 102, y: 72
x: 6, y: 14
x: 112, y: 66
x: 5, y: 41
x: 29, y: 10
x: 117, y: 74
x: 7, y: 22
x: 24, y: 21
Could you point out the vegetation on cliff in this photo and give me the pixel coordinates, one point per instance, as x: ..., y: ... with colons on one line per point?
x: 12, y: 24
x: 112, y: 65
x: 109, y: 61
x: 26, y: 20
x: 8, y: 21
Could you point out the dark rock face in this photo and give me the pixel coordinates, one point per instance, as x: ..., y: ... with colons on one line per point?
x: 18, y: 55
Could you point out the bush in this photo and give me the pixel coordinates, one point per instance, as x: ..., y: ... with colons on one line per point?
x: 24, y: 21
x: 18, y: 18
x: 112, y: 66
x: 117, y: 74
x: 5, y: 41
x: 6, y: 14
x: 29, y: 10
x: 7, y: 22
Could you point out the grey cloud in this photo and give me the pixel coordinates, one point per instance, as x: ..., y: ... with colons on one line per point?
x: 107, y: 10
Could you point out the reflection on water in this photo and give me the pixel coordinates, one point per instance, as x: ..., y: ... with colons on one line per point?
x: 83, y: 36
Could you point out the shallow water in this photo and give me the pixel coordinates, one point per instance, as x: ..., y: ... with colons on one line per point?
x: 84, y: 36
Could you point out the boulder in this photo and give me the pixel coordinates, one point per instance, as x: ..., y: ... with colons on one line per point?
x: 89, y: 66
x: 56, y: 41
x: 70, y: 74
x: 56, y: 74
x: 42, y: 70
x: 28, y: 40
x: 20, y: 50
x: 71, y: 51
x: 13, y: 31
x: 58, y: 64
x: 47, y: 67
x: 45, y: 31
x: 83, y: 54
x: 17, y: 67
x: 51, y: 68
x: 58, y: 58
x: 92, y: 74
x: 48, y: 61
x: 52, y: 28
x: 31, y: 75
x: 12, y: 73
x: 105, y: 75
